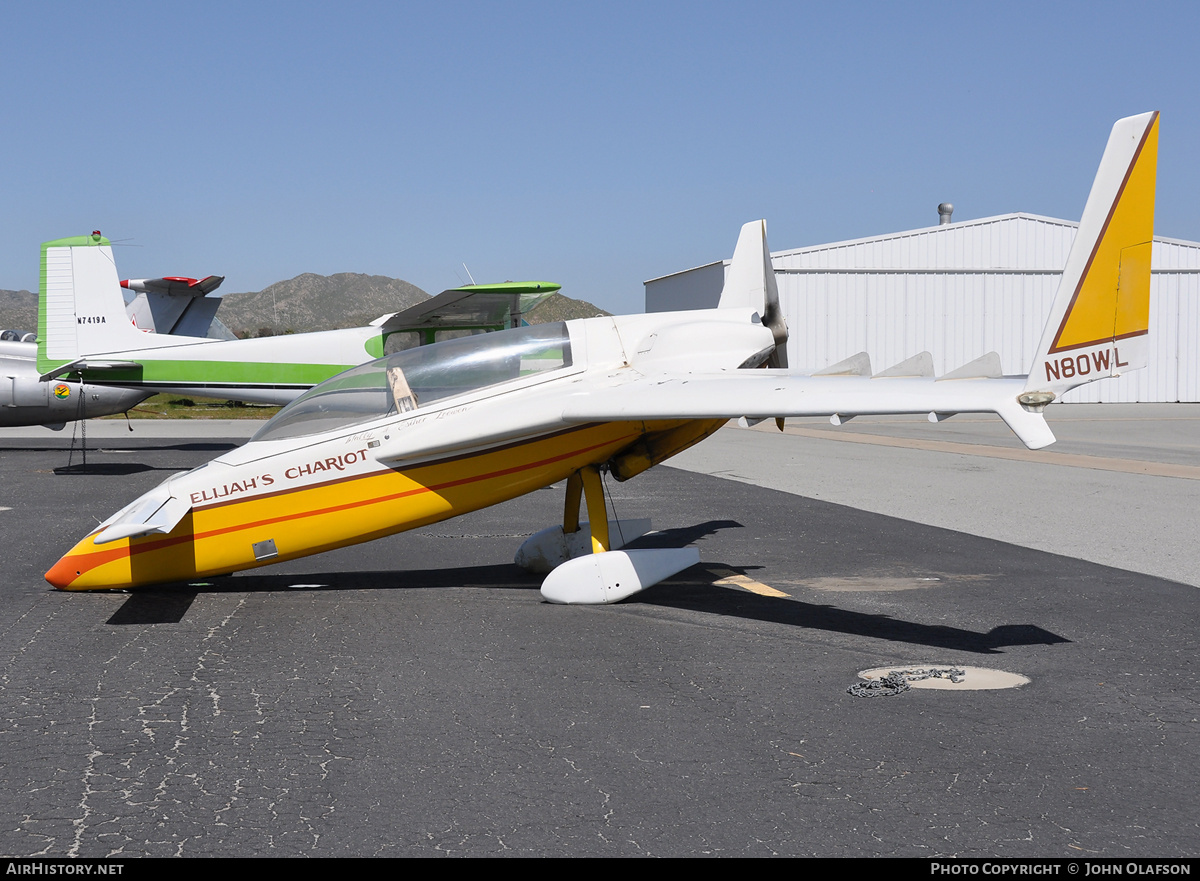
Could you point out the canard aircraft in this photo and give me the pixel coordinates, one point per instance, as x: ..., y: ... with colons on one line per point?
x: 106, y: 345
x: 425, y: 434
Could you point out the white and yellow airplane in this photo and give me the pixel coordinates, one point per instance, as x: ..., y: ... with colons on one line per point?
x: 433, y: 432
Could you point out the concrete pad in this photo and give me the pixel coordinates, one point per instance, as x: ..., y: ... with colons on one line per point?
x: 1141, y: 517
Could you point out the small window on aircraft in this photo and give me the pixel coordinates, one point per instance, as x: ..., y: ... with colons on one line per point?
x: 415, y: 378
x: 400, y: 341
x: 457, y: 333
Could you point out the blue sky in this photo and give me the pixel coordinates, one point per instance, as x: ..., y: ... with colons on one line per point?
x: 593, y: 145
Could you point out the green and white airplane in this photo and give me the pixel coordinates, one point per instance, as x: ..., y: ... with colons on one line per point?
x: 172, y: 305
x: 85, y: 333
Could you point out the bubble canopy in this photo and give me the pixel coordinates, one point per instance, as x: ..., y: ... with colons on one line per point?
x: 415, y: 378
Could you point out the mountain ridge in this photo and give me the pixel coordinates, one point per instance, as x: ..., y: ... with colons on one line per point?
x: 309, y: 302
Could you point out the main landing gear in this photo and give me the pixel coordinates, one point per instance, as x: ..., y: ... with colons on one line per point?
x: 583, y: 560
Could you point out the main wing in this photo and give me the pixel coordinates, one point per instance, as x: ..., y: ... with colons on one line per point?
x: 764, y: 394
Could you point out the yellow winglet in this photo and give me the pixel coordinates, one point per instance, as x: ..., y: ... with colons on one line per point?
x: 1112, y: 299
x: 1104, y: 296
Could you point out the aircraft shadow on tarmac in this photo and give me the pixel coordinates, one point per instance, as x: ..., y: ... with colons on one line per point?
x: 168, y: 604
x: 129, y: 444
x: 682, y: 536
x: 696, y: 593
x: 100, y: 467
x: 109, y: 469
x: 692, y: 590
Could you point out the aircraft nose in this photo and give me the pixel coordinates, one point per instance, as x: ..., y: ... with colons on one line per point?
x: 63, y: 572
x: 88, y: 567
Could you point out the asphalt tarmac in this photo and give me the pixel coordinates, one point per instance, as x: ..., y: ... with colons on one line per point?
x: 414, y: 696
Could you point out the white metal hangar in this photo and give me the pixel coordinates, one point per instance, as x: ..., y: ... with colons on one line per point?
x: 958, y: 291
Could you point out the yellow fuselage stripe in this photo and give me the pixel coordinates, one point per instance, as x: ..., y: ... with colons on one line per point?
x: 218, y: 538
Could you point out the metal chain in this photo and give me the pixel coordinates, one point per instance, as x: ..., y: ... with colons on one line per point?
x: 79, y: 427
x: 897, y: 682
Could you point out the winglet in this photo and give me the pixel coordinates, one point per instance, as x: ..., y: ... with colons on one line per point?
x: 1099, y: 323
x: 750, y: 270
x: 750, y: 284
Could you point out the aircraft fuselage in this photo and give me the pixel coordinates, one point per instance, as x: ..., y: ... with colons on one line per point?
x: 279, y: 498
x: 26, y: 400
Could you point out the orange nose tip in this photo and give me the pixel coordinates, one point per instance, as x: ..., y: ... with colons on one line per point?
x: 84, y: 567
x: 65, y: 571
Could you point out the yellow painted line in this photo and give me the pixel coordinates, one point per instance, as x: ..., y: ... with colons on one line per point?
x: 729, y: 578
x: 1071, y: 460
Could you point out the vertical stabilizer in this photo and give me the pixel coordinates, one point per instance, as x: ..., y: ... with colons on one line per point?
x: 81, y: 310
x: 1099, y: 323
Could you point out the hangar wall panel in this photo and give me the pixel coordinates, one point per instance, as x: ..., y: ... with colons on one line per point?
x: 958, y: 292
x: 892, y: 316
x: 698, y: 288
